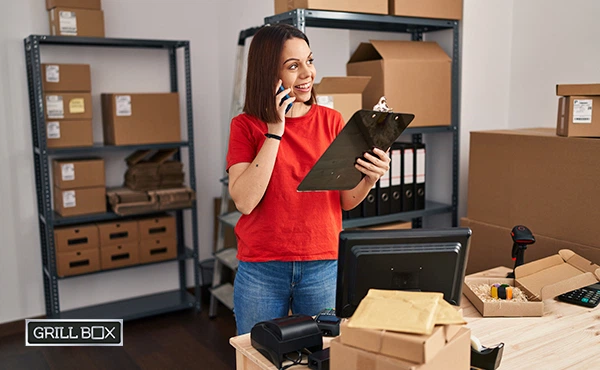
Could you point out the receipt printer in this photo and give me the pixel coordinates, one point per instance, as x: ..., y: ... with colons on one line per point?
x: 276, y: 338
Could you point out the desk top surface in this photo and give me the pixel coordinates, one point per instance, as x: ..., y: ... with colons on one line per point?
x: 566, y: 337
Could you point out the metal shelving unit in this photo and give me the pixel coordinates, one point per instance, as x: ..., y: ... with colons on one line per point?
x: 136, y: 307
x: 302, y: 18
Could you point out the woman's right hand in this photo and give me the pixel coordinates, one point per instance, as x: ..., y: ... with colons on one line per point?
x: 277, y: 128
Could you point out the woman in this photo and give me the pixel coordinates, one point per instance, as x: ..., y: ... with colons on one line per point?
x: 287, y: 240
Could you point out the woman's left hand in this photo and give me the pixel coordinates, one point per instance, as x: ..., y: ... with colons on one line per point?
x: 375, y: 166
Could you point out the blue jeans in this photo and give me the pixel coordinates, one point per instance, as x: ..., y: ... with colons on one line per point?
x: 267, y: 290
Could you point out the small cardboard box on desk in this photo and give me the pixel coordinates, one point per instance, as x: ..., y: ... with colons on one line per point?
x: 539, y: 280
x: 576, y: 110
x: 364, y: 344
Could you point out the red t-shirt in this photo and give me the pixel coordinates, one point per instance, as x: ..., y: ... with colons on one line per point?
x: 288, y: 225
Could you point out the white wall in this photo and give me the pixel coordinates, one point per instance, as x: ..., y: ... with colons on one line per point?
x: 510, y: 63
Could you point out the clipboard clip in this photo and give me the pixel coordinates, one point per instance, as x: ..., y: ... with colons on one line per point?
x: 382, y: 106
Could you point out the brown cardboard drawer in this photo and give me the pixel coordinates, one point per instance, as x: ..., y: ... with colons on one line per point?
x: 152, y: 250
x: 75, y: 202
x: 119, y: 255
x: 113, y: 233
x: 76, y: 238
x: 68, y: 134
x: 157, y: 227
x: 77, y: 262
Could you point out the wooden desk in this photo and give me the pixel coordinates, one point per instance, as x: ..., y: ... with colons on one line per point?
x: 566, y: 337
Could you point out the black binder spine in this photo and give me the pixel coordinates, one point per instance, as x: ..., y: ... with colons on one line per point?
x: 371, y: 202
x: 419, y: 176
x: 395, y: 178
x: 408, y: 181
x: 384, y: 206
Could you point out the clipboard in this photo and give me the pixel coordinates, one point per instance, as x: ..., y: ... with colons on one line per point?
x: 366, y: 129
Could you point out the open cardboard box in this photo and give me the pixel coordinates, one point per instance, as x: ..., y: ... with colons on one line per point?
x: 542, y: 279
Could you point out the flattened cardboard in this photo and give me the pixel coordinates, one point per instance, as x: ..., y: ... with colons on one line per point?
x: 358, y: 6
x: 121, y: 232
x: 343, y: 94
x: 69, y: 133
x: 577, y: 89
x: 157, y: 227
x: 153, y: 250
x: 151, y: 118
x: 75, y: 106
x: 119, y: 255
x: 90, y: 23
x: 391, y: 226
x: 69, y: 78
x: 453, y: 356
x: 87, y: 201
x: 366, y: 129
x: 80, y: 4
x: 539, y: 280
x: 75, y: 238
x: 533, y: 177
x: 411, y: 75
x: 78, y: 173
x: 77, y: 262
x: 443, y: 9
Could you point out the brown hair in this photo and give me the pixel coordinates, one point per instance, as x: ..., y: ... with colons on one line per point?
x: 263, y: 70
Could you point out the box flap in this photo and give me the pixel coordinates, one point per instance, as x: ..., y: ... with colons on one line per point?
x: 365, y: 51
x: 410, y: 50
x: 137, y: 156
x: 341, y: 85
x: 578, y: 89
x: 551, y: 276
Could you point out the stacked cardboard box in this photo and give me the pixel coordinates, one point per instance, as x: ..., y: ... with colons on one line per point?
x: 343, y: 94
x: 156, y: 172
x: 417, y: 78
x: 77, y: 250
x: 79, y: 186
x: 448, y: 348
x: 357, y: 6
x: 119, y: 244
x: 535, y: 178
x: 158, y: 239
x: 76, y: 18
x: 68, y: 104
x: 576, y: 110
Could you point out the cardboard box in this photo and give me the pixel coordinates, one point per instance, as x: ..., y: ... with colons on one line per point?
x: 76, y: 238
x: 120, y: 255
x: 576, y: 116
x: 66, y: 77
x: 357, y: 6
x: 415, y: 77
x: 444, y: 9
x: 63, y: 106
x: 534, y: 178
x: 76, y: 22
x: 410, y: 347
x: 76, y: 202
x: 491, y: 246
x: 77, y: 262
x: 542, y: 279
x: 154, y: 250
x: 141, y: 118
x: 79, y: 4
x: 157, y: 227
x: 343, y: 94
x: 402, y: 225
x: 69, y: 134
x: 78, y: 173
x: 121, y: 232
x: 456, y: 355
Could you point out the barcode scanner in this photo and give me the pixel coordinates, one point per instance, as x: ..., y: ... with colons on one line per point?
x: 522, y: 237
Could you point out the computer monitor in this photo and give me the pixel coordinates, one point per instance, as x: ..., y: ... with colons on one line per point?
x: 428, y: 260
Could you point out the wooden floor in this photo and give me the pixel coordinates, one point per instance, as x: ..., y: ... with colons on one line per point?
x: 181, y: 340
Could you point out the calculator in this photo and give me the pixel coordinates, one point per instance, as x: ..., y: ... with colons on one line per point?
x: 328, y: 322
x: 588, y: 296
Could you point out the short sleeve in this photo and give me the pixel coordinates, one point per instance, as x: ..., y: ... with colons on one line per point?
x: 242, y: 148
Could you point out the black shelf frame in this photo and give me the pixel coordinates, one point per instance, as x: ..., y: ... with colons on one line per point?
x: 127, y: 309
x: 302, y: 18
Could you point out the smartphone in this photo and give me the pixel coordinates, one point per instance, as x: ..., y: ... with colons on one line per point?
x: 284, y: 98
